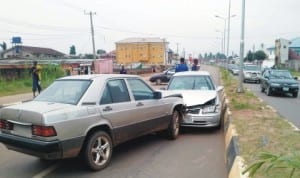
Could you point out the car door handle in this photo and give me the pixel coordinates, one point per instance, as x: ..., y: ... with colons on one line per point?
x: 107, y: 108
x: 140, y: 104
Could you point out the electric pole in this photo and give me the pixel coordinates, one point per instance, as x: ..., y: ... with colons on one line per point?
x: 92, y: 30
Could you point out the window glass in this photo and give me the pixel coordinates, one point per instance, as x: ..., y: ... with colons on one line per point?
x: 64, y: 91
x: 191, y: 83
x: 115, y: 92
x: 140, y: 90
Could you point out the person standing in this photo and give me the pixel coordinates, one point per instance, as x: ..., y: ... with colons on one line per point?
x: 123, y: 70
x: 36, y: 78
x: 195, y: 65
x: 182, y: 66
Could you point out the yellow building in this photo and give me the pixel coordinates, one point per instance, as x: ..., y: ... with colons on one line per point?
x: 144, y: 50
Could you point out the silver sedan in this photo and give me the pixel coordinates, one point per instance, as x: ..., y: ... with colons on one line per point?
x: 88, y: 114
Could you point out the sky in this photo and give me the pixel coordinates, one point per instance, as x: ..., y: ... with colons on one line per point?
x: 190, y: 25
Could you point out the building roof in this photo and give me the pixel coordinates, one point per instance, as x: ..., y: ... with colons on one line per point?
x: 38, y: 50
x: 143, y: 40
x: 295, y: 43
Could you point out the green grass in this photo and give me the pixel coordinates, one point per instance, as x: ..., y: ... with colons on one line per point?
x: 260, y: 129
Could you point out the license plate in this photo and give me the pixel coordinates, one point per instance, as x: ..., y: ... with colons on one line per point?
x: 285, y: 89
x: 23, y: 130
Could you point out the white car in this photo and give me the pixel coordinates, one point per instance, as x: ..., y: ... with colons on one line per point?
x: 202, y: 99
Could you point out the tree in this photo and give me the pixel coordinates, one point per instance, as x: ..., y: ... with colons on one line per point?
x: 260, y: 55
x: 101, y: 51
x: 250, y: 56
x: 72, y: 50
x: 3, y: 46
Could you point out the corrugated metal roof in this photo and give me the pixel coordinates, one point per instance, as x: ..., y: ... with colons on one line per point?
x: 143, y: 40
x: 295, y: 43
x: 38, y: 50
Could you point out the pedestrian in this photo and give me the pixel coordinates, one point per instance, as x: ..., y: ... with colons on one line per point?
x: 123, y: 70
x: 195, y: 65
x: 182, y: 66
x: 36, y: 78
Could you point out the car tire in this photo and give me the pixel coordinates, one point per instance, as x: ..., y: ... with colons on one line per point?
x: 268, y: 91
x: 158, y: 81
x: 173, y: 128
x: 295, y: 95
x: 262, y: 89
x: 98, y: 151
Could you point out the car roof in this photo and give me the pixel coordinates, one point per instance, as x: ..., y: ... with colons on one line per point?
x: 189, y: 73
x: 97, y: 76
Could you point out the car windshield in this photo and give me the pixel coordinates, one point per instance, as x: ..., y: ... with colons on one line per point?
x: 281, y: 74
x: 64, y: 91
x: 191, y: 83
x: 251, y: 67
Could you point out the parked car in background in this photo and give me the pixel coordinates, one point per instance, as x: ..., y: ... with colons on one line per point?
x: 88, y: 114
x: 163, y: 77
x: 279, y: 81
x: 251, y: 73
x: 202, y: 98
x: 234, y: 69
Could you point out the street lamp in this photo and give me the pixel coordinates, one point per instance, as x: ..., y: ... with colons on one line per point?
x: 224, y: 19
x: 222, y: 41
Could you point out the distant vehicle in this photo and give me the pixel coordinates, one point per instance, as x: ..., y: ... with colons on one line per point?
x: 88, y: 115
x: 234, y: 69
x: 163, y: 77
x: 201, y: 98
x: 279, y: 81
x: 251, y: 73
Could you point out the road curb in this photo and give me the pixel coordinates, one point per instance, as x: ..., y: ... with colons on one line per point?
x: 234, y: 162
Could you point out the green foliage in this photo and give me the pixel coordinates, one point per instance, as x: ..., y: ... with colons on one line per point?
x: 268, y: 162
x: 101, y: 51
x: 72, y: 50
x: 260, y: 55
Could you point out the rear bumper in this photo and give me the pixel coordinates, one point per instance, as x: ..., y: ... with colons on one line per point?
x: 42, y: 149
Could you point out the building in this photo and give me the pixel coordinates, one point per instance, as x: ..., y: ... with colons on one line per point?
x: 29, y: 52
x: 142, y: 50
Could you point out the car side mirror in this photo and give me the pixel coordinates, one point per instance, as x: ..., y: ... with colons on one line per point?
x: 220, y: 88
x: 296, y: 78
x: 157, y: 95
x: 267, y: 77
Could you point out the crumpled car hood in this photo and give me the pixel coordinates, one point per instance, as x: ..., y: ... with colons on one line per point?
x: 193, y: 97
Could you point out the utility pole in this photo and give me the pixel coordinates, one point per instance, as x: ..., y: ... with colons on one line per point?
x: 92, y: 30
x: 242, y: 43
x: 228, y: 27
x: 177, y: 56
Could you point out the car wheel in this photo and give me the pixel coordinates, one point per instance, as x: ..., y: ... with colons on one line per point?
x: 295, y: 95
x: 268, y: 91
x: 173, y: 129
x: 262, y: 89
x: 98, y: 151
x: 158, y: 81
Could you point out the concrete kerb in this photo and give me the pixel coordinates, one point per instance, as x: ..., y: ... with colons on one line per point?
x: 234, y: 162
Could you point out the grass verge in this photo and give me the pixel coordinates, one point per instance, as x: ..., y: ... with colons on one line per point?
x: 260, y: 129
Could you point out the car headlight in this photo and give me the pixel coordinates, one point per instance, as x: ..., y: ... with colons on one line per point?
x: 295, y: 85
x: 247, y: 74
x: 275, y: 84
x: 210, y: 109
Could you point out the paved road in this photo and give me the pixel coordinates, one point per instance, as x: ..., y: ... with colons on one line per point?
x: 196, y: 153
x: 286, y: 105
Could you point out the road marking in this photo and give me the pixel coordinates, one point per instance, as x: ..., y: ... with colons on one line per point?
x: 47, y: 171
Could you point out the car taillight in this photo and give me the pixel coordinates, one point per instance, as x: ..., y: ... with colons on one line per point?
x: 43, y: 131
x: 4, y: 124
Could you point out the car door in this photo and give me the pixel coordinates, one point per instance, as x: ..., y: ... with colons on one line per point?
x: 265, y: 79
x: 117, y: 107
x: 152, y: 113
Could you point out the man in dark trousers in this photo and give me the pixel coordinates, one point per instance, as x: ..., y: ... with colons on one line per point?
x: 123, y: 70
x: 182, y: 66
x: 35, y: 78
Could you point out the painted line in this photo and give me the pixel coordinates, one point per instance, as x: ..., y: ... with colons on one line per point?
x: 293, y: 125
x: 47, y: 171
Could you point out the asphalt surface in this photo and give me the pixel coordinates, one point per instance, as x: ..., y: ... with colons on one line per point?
x: 196, y: 153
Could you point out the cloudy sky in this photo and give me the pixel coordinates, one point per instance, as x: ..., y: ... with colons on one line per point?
x: 191, y: 24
